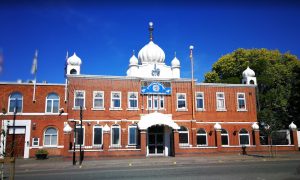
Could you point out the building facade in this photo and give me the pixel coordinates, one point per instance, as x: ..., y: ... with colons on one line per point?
x: 151, y: 111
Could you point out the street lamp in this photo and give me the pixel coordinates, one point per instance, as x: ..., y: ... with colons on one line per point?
x: 81, y: 139
x: 68, y: 130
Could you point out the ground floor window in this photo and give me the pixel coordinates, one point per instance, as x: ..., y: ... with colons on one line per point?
x: 244, y: 137
x: 132, y: 136
x: 115, y: 135
x: 50, y: 137
x: 97, y: 136
x: 224, y: 137
x: 201, y: 137
x: 183, y: 136
x: 79, y: 135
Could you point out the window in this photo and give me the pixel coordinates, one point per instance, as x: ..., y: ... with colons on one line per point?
x: 97, y: 136
x: 52, y: 103
x: 183, y: 136
x: 98, y: 100
x: 201, y: 137
x: 200, y: 101
x: 224, y: 137
x: 79, y: 97
x: 50, y: 137
x: 244, y: 137
x: 115, y: 135
x: 220, y: 101
x: 35, y: 141
x: 181, y: 101
x: 115, y: 100
x: 132, y: 100
x: 132, y: 137
x: 79, y: 135
x: 241, y: 101
x: 155, y: 102
x: 15, y: 101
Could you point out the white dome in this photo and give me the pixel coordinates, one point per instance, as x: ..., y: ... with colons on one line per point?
x: 292, y: 126
x: 175, y: 62
x: 133, y: 60
x: 151, y: 53
x: 217, y: 126
x: 74, y: 60
x: 248, y: 73
x: 255, y: 126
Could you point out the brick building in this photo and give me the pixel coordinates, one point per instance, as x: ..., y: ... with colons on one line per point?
x: 150, y: 112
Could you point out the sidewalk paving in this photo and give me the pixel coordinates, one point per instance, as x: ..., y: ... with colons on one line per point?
x: 62, y: 163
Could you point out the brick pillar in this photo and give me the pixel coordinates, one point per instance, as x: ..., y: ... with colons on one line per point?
x: 176, y: 141
x: 294, y: 138
x: 256, y: 138
x: 67, y: 143
x: 143, y: 141
x: 194, y: 135
x: 106, y: 140
x: 218, y: 138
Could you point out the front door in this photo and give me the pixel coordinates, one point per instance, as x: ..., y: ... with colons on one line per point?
x: 19, y: 142
x: 156, y: 144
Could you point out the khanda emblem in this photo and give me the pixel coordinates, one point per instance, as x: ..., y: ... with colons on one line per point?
x: 155, y: 71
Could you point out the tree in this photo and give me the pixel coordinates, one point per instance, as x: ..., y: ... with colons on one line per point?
x: 278, y: 79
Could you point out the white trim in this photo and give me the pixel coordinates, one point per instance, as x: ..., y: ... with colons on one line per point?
x: 123, y: 149
x: 115, y: 126
x: 199, y: 147
x: 51, y: 145
x: 46, y: 103
x: 225, y: 85
x: 225, y: 122
x: 184, y: 132
x: 237, y: 99
x: 136, y: 128
x: 94, y: 98
x: 38, y: 142
x: 148, y: 120
x: 15, y: 99
x: 97, y: 126
x: 158, y: 98
x: 27, y: 124
x: 244, y: 135
x: 77, y: 107
x: 48, y: 147
x: 220, y: 98
x: 35, y: 114
x: 111, y: 100
x: 185, y: 102
x: 134, y: 99
x: 196, y: 98
x: 227, y: 134
x: 201, y: 134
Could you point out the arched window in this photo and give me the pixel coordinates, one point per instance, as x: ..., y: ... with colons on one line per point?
x: 132, y: 135
x: 115, y: 135
x: 73, y: 71
x: 52, y: 103
x: 97, y: 135
x: 201, y: 137
x: 224, y: 137
x: 15, y: 101
x: 183, y: 136
x: 244, y: 137
x: 50, y: 137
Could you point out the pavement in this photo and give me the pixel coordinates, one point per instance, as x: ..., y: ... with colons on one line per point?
x: 56, y: 163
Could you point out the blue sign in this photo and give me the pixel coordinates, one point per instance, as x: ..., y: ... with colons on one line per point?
x: 156, y: 88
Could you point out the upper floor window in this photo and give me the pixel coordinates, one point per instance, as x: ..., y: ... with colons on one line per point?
x: 15, y: 102
x: 50, y: 137
x: 155, y: 102
x: 200, y: 101
x: 52, y: 103
x: 79, y: 99
x: 183, y: 136
x: 241, y: 100
x: 181, y: 101
x: 220, y: 101
x: 132, y: 100
x: 201, y: 137
x: 115, y: 100
x: 98, y: 100
x: 132, y: 136
x: 97, y: 135
x: 244, y: 137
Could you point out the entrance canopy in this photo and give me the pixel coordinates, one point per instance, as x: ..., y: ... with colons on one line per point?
x: 156, y: 118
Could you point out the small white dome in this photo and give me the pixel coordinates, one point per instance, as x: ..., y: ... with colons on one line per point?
x: 133, y: 60
x: 67, y: 128
x: 217, y: 126
x: 292, y: 126
x: 74, y: 60
x: 175, y: 62
x: 248, y: 73
x: 151, y: 53
x: 255, y: 126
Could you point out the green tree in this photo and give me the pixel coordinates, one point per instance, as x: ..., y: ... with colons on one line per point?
x: 278, y: 79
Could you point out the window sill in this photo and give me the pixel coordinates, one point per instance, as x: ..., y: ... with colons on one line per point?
x: 132, y: 109
x: 115, y: 146
x: 161, y: 109
x: 131, y: 146
x: 221, y: 110
x: 115, y: 109
x: 45, y: 146
x: 49, y: 113
x: 200, y: 110
x: 182, y: 110
x: 78, y: 108
x: 97, y: 109
x: 241, y: 110
x: 204, y: 145
x: 185, y: 145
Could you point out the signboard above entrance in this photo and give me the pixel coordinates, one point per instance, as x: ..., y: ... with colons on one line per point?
x: 156, y: 87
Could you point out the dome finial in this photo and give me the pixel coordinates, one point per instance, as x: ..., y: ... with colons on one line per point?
x: 133, y: 53
x: 151, y: 30
x: 175, y: 54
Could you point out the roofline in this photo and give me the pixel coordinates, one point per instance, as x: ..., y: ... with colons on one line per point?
x: 227, y: 85
x: 27, y: 84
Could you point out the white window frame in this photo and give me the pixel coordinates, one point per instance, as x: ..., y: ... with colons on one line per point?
x: 151, y: 101
x: 78, y: 107
x: 9, y: 99
x: 101, y: 98
x: 134, y: 99
x: 115, y: 126
x: 201, y: 134
x: 98, y: 127
x: 111, y: 100
x: 218, y: 98
x: 136, y: 135
x: 188, y: 136
x: 238, y: 104
x: 227, y: 135
x: 83, y: 140
x: 244, y: 135
x: 196, y: 97
x: 52, y: 104
x: 57, y: 135
x: 33, y: 141
x: 185, y: 101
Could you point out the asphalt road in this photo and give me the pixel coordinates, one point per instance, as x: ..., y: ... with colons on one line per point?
x: 259, y: 170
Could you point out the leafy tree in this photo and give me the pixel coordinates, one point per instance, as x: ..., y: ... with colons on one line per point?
x: 278, y: 79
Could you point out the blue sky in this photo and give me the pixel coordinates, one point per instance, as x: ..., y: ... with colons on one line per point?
x: 103, y: 34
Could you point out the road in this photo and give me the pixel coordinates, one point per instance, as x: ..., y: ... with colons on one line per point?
x: 257, y: 170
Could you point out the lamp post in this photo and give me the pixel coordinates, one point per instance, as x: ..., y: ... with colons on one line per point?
x: 74, y: 148
x: 81, y: 139
x: 68, y: 130
x: 193, y: 94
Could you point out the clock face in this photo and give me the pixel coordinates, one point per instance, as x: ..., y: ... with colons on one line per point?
x: 155, y: 88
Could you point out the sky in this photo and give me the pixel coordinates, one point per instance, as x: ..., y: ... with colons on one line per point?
x: 104, y: 33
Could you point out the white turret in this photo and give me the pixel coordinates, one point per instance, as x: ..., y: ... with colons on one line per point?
x: 133, y: 66
x: 175, y: 65
x: 74, y: 63
x: 249, y: 76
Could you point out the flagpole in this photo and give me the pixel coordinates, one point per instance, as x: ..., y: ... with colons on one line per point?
x: 66, y: 84
x: 34, y: 70
x: 192, y: 69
